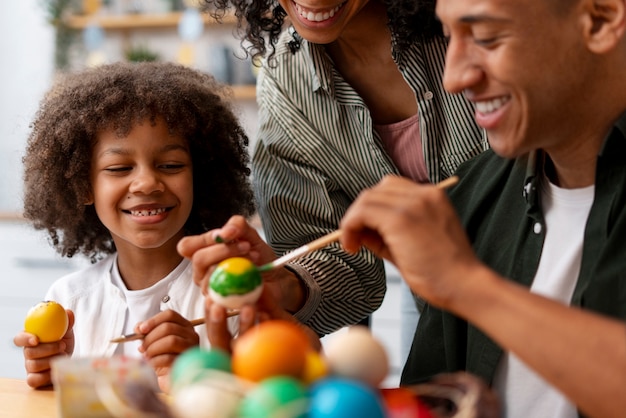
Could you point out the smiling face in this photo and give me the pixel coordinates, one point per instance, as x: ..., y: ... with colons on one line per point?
x: 515, y: 59
x: 142, y: 186
x: 321, y: 21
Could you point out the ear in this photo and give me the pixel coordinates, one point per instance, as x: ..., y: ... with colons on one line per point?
x: 89, y: 200
x: 604, y: 24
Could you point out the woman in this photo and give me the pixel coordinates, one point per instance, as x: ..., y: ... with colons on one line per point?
x: 350, y: 92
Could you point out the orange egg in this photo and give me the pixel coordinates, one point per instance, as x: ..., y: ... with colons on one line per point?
x: 272, y: 348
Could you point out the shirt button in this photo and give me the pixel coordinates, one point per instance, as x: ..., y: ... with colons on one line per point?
x: 428, y: 95
x: 165, y: 299
x: 537, y: 228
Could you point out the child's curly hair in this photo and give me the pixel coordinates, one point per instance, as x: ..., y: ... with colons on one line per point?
x: 117, y: 97
x: 261, y: 21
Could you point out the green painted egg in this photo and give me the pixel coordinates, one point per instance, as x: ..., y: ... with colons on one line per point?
x: 235, y: 282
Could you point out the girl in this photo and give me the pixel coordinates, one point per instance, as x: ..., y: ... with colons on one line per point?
x: 122, y: 162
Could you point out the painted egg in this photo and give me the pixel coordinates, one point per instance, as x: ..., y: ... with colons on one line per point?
x: 195, y: 363
x: 315, y: 367
x: 340, y: 398
x: 215, y: 396
x: 235, y: 282
x: 401, y: 402
x: 279, y: 396
x: 272, y: 348
x: 356, y: 354
x: 47, y: 320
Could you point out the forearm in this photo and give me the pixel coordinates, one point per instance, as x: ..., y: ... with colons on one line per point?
x: 296, y: 207
x: 581, y: 353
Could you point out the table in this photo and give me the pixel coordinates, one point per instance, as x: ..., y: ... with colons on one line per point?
x: 18, y: 400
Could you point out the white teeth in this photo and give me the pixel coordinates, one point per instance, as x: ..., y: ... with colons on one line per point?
x: 491, y: 105
x: 316, y: 16
x: 147, y: 212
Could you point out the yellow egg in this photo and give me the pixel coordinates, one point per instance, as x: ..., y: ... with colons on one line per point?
x: 315, y: 367
x: 47, y: 320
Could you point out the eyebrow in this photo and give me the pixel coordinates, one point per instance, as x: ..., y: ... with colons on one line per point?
x: 481, y: 18
x: 123, y: 151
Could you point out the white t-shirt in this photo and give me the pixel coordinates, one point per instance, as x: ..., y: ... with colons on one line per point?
x: 100, y: 307
x: 524, y: 393
x: 142, y: 304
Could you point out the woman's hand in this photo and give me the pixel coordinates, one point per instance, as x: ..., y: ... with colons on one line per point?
x: 265, y: 309
x: 237, y: 238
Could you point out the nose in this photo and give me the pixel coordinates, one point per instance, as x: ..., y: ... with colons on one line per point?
x: 146, y: 181
x: 461, y: 70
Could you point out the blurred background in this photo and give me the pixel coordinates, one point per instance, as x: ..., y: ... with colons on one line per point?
x: 43, y: 38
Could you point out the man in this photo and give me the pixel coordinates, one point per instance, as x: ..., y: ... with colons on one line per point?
x: 546, y: 209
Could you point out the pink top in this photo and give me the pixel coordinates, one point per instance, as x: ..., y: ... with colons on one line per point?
x: 403, y: 142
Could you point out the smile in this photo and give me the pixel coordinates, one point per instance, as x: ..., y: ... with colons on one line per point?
x: 490, y: 106
x: 317, y: 15
x: 151, y: 212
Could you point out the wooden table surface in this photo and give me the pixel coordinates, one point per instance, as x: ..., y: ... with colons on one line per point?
x: 18, y: 400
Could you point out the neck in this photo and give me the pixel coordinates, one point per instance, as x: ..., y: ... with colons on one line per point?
x: 366, y: 34
x: 142, y: 268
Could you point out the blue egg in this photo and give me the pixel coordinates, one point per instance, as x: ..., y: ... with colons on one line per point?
x: 340, y: 398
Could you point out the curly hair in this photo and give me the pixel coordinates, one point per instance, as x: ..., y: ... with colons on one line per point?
x: 117, y: 97
x: 260, y: 22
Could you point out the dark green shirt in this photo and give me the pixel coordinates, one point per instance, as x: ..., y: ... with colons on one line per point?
x: 498, y: 202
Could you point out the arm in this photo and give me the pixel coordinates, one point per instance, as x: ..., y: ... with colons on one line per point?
x: 304, y: 183
x: 581, y: 353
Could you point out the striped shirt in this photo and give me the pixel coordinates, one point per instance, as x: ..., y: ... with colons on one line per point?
x: 317, y: 149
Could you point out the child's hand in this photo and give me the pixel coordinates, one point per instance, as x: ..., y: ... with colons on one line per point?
x: 37, y: 356
x: 167, y: 335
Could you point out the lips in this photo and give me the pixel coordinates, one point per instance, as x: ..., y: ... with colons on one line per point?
x: 317, y: 15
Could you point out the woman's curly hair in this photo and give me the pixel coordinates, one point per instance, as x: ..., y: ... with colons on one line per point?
x: 260, y: 22
x: 117, y: 97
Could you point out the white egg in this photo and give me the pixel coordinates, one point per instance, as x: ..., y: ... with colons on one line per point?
x: 236, y: 301
x: 357, y: 355
x: 216, y: 397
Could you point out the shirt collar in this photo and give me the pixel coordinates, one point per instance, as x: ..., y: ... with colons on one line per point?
x: 316, y: 60
x: 534, y: 166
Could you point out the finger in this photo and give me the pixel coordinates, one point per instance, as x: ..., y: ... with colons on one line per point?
x: 166, y: 316
x: 217, y: 326
x: 44, y: 350
x: 174, y: 343
x: 39, y: 380
x: 188, y: 245
x: 25, y: 339
x: 231, y: 231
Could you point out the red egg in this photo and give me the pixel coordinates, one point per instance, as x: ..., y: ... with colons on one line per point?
x: 402, y: 403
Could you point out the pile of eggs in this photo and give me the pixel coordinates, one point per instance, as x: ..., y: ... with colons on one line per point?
x: 274, y: 372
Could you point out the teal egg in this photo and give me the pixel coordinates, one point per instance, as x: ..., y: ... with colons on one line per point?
x: 195, y: 363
